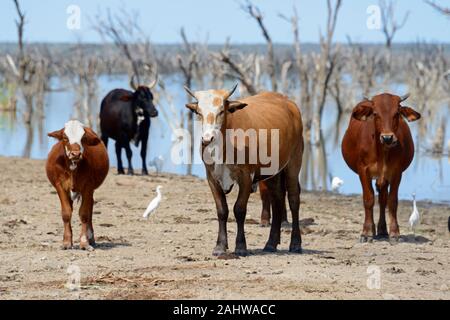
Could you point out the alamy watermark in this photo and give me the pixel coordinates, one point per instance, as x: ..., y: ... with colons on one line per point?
x: 374, y: 20
x: 374, y: 278
x: 231, y: 147
x: 73, y: 21
x: 73, y: 279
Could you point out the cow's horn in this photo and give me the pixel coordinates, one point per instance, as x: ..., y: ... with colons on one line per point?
x: 366, y: 98
x: 153, y: 84
x: 133, y: 83
x: 405, y: 97
x: 189, y: 91
x: 231, y: 91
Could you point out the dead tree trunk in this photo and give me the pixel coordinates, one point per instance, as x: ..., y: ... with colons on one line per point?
x: 326, y: 63
x: 256, y: 14
x: 187, y: 68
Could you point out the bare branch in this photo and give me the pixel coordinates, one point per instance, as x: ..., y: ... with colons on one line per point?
x: 439, y: 8
x: 390, y: 24
x: 122, y: 30
x: 240, y: 72
x: 20, y: 23
x: 256, y: 14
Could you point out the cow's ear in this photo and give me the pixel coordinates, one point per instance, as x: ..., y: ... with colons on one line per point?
x: 410, y: 114
x: 90, y: 138
x: 363, y: 110
x: 126, y: 98
x: 58, y: 135
x: 193, y: 107
x: 234, y: 106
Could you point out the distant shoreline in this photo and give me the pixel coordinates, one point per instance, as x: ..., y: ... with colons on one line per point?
x: 10, y: 47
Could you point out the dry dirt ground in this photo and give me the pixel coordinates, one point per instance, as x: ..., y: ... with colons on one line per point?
x: 169, y: 255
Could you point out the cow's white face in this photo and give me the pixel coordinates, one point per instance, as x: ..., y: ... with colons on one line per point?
x: 74, y: 131
x: 212, y: 106
x: 74, y: 136
x: 211, y: 110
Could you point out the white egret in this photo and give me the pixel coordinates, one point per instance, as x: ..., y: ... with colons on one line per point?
x: 414, y: 219
x: 336, y: 183
x: 154, y: 204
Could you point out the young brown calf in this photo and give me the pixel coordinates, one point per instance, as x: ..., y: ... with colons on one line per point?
x: 76, y: 166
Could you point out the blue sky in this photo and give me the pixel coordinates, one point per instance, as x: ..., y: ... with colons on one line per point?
x: 219, y: 19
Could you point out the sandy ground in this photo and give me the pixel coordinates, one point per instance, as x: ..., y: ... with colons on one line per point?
x: 169, y: 256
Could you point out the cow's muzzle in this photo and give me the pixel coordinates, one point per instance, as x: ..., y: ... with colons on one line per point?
x: 153, y: 114
x: 388, y: 139
x: 207, y: 141
x: 75, y: 155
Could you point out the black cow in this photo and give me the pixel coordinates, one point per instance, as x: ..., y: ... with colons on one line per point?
x: 125, y: 116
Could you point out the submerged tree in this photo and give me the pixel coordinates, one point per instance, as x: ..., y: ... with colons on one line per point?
x: 30, y: 72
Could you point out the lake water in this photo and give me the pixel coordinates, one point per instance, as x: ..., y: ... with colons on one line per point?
x: 428, y: 176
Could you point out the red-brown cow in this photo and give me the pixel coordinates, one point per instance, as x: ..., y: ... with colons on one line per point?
x: 76, y: 166
x: 227, y: 133
x: 378, y: 145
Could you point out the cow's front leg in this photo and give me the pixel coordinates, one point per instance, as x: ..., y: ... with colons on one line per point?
x: 66, y: 213
x: 382, y: 199
x: 369, y: 201
x: 87, y: 234
x: 394, y: 230
x: 144, y: 142
x: 222, y: 216
x: 90, y: 233
x: 119, y: 158
x: 240, y: 211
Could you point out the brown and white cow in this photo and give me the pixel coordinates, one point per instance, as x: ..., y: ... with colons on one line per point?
x: 267, y: 112
x: 76, y: 166
x: 378, y: 146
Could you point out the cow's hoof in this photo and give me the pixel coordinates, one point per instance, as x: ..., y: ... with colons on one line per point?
x: 296, y: 249
x: 120, y: 171
x: 264, y: 224
x: 130, y: 172
x: 366, y: 239
x: 270, y: 248
x: 394, y: 239
x: 86, y: 247
x: 219, y: 251
x: 144, y: 172
x: 241, y: 252
x: 67, y: 246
